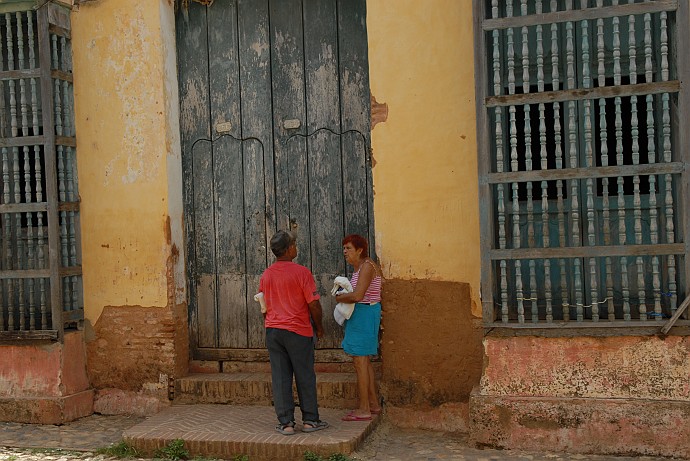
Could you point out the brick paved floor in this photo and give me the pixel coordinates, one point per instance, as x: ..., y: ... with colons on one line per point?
x: 227, y: 430
x: 386, y: 443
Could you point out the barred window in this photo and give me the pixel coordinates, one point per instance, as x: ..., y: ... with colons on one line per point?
x: 583, y: 161
x: 40, y: 260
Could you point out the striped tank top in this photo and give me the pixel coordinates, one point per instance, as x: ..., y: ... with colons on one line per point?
x: 373, y: 293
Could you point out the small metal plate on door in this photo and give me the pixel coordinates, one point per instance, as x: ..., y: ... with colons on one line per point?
x: 223, y: 127
x: 291, y: 124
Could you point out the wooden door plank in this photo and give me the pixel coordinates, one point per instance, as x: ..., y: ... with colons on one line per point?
x: 355, y: 114
x: 259, y: 195
x: 228, y: 178
x: 194, y: 124
x: 206, y: 296
x: 325, y: 172
x: 287, y: 55
x: 256, y: 332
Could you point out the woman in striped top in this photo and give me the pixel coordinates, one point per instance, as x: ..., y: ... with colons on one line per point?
x: 362, y: 328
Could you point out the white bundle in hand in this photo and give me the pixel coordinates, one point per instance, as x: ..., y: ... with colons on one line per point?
x: 342, y: 311
x: 259, y: 298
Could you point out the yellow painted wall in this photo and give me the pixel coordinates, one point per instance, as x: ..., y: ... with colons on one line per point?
x: 126, y: 114
x: 425, y: 180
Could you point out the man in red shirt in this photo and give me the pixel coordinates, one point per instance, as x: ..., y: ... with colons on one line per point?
x: 291, y: 300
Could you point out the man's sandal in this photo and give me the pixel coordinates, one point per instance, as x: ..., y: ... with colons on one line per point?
x: 313, y: 426
x: 287, y: 428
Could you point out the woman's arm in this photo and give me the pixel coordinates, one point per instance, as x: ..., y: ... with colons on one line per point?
x: 366, y: 275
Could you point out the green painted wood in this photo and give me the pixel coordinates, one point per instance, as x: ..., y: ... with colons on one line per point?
x: 292, y: 183
x: 228, y: 173
x: 355, y: 110
x: 265, y: 80
x: 195, y: 125
x: 258, y: 176
x: 326, y: 205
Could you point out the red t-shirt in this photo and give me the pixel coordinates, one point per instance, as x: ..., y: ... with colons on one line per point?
x: 288, y: 289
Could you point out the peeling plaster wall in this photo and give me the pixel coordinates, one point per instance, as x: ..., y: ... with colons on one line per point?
x: 626, y: 367
x: 129, y: 161
x: 425, y: 175
x: 130, y: 176
x: 426, y: 207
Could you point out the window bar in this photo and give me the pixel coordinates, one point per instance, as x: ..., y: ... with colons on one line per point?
x: 668, y: 179
x: 32, y: 262
x: 499, y: 166
x: 617, y: 72
x: 573, y: 163
x: 58, y: 108
x: 634, y: 128
x: 66, y: 122
x: 72, y: 235
x: 544, y: 166
x: 17, y: 264
x: 22, y: 83
x: 42, y: 281
x: 3, y: 124
x: 589, y: 162
x: 3, y: 103
x: 531, y: 292
x: 651, y: 159
x: 70, y: 169
x: 24, y: 109
x: 555, y: 81
x: 514, y: 167
x: 64, y: 252
x: 500, y: 161
x: 29, y: 231
x: 8, y: 237
x: 10, y: 66
x: 603, y: 133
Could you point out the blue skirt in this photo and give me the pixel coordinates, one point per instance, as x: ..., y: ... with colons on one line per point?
x: 362, y: 330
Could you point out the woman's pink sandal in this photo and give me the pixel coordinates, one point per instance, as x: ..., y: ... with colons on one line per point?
x: 354, y: 417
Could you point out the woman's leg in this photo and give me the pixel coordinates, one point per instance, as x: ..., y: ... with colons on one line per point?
x: 373, y: 395
x: 362, y: 369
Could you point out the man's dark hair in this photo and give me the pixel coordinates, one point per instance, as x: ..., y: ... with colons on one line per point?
x: 280, y: 242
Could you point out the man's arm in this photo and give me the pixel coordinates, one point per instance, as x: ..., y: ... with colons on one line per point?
x: 315, y: 311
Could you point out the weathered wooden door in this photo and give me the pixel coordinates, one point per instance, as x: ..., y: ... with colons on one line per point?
x: 274, y: 98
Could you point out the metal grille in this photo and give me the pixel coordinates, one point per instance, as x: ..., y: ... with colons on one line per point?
x: 40, y: 261
x: 582, y: 104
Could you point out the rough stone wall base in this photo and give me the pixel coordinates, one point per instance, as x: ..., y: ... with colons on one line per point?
x: 119, y: 402
x: 577, y: 425
x: 449, y: 417
x: 51, y: 410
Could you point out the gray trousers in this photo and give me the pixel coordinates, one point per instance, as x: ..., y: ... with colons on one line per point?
x: 292, y: 354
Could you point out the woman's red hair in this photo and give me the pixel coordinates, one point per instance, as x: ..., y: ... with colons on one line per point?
x: 359, y: 242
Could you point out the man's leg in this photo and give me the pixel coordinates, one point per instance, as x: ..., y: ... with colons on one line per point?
x: 301, y: 350
x: 281, y: 374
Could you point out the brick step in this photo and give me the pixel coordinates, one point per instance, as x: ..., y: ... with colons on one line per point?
x: 228, y: 431
x: 334, y: 390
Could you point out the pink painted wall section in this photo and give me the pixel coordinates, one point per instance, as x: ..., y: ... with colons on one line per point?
x: 575, y: 425
x: 74, y: 376
x: 30, y: 370
x: 44, y: 370
x: 611, y: 367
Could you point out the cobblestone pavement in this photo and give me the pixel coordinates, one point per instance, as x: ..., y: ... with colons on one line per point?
x: 79, y: 440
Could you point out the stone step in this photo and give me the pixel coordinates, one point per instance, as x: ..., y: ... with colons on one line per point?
x: 334, y: 390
